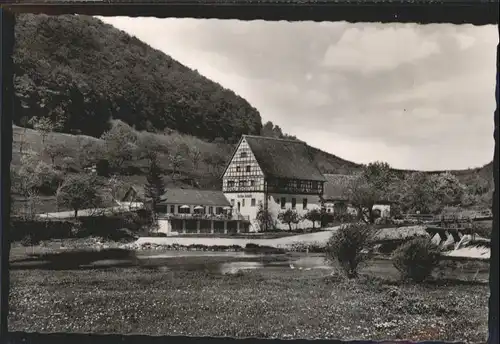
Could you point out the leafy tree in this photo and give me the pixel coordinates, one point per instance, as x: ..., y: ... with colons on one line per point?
x: 45, y: 126
x: 416, y: 259
x: 313, y: 215
x: 347, y: 244
x: 155, y: 186
x: 89, y: 152
x: 79, y: 192
x: 289, y: 216
x: 375, y: 183
x: 271, y: 130
x: 148, y: 146
x: 56, y: 150
x: 119, y: 144
x: 35, y: 175
x: 447, y: 190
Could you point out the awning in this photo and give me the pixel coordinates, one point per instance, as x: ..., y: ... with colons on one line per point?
x: 198, y: 207
x: 185, y: 207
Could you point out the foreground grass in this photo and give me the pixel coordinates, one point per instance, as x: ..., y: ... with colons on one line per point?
x: 281, y: 303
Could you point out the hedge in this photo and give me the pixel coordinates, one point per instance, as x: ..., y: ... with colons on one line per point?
x: 107, y: 226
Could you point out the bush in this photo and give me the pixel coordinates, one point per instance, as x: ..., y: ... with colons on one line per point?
x: 347, y: 246
x: 416, y: 259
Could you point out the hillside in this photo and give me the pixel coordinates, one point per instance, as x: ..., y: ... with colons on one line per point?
x: 81, y: 73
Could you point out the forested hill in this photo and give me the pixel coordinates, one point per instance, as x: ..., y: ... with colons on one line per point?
x: 81, y: 72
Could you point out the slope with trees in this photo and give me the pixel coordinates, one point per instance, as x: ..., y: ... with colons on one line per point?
x: 80, y: 73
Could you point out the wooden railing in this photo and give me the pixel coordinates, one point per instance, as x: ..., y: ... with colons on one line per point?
x: 216, y: 217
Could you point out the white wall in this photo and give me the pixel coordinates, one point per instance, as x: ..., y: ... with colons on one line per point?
x: 274, y: 207
x: 385, y: 209
x: 164, y: 226
x: 246, y: 197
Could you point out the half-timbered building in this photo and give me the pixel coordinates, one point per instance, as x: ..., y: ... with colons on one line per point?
x: 276, y: 174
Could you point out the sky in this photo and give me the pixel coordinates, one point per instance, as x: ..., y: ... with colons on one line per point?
x: 415, y: 96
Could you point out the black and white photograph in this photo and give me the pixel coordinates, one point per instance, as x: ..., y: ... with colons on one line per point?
x: 226, y: 178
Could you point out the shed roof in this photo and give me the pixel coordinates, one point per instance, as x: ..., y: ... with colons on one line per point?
x: 195, y: 197
x: 279, y: 158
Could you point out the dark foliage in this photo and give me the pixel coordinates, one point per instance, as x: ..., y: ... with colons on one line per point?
x: 416, y: 259
x: 348, y: 244
x: 155, y: 186
x: 81, y: 73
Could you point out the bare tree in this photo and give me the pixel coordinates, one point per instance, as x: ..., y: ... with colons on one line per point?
x: 44, y: 125
x: 176, y: 160
x: 195, y: 155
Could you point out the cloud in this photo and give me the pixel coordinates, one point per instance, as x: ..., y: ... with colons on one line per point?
x: 416, y: 96
x: 372, y: 49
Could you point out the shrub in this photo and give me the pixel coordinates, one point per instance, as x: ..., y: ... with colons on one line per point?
x: 416, y: 259
x: 347, y: 245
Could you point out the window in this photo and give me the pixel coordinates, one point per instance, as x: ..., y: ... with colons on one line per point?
x: 252, y: 203
x: 172, y: 209
x: 210, y: 210
x: 230, y: 183
x: 304, y: 203
x: 252, y: 183
x: 283, y: 202
x: 243, y: 154
x: 184, y: 210
x: 243, y: 202
x: 237, y: 169
x: 243, y: 182
x: 294, y: 203
x: 314, y: 185
x: 247, y: 168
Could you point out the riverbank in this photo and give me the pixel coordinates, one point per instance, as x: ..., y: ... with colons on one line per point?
x: 193, y: 295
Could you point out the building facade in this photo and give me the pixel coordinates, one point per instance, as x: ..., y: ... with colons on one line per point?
x: 273, y: 175
x: 186, y: 211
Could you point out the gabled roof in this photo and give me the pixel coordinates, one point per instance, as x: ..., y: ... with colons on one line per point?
x: 195, y: 197
x: 335, y: 186
x: 279, y: 158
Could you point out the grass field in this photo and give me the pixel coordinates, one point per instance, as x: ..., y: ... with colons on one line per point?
x: 191, y: 296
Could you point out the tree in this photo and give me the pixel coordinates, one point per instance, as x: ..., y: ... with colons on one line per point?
x: 195, y: 155
x: 44, y: 125
x: 416, y: 259
x: 115, y: 184
x: 90, y: 151
x: 447, y: 190
x: 119, y: 144
x: 148, y: 146
x: 155, y: 186
x: 264, y: 218
x: 176, y: 160
x: 313, y: 215
x: 375, y: 183
x: 55, y: 150
x: 289, y: 216
x: 79, y: 192
x: 347, y: 244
